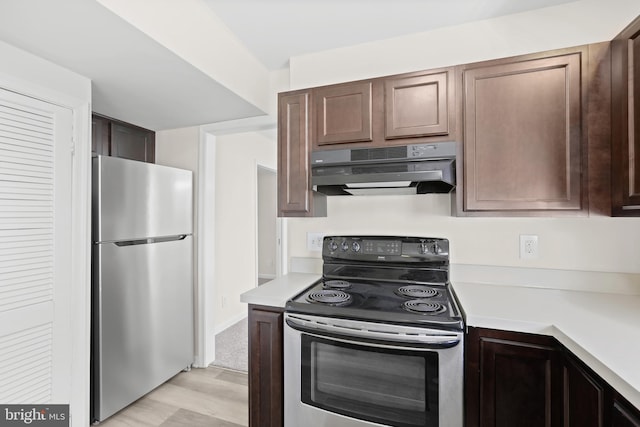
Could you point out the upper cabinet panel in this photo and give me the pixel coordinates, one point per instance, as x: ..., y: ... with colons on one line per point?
x: 295, y: 197
x: 343, y: 113
x: 523, y: 135
x: 133, y: 143
x: 416, y: 106
x: 625, y: 121
x: 110, y: 137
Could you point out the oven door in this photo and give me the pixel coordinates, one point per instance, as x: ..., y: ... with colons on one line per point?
x: 345, y: 373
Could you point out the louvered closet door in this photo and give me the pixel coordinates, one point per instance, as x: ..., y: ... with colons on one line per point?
x: 35, y: 251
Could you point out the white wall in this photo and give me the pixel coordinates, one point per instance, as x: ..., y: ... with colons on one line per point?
x: 237, y: 158
x: 596, y: 243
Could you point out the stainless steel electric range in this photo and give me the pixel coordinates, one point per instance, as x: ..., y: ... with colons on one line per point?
x: 378, y: 341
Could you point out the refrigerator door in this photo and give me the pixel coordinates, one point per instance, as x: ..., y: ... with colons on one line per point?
x: 134, y: 200
x: 144, y: 311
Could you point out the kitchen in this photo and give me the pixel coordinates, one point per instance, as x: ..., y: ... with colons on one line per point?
x: 564, y: 243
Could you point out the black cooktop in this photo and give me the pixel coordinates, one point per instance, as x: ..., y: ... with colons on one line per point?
x: 363, y: 276
x: 421, y: 304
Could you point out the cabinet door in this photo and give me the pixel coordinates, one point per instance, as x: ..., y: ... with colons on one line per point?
x: 99, y: 135
x: 132, y: 143
x: 523, y: 135
x: 293, y: 155
x: 295, y: 197
x: 416, y: 106
x: 625, y: 121
x: 266, y: 378
x: 584, y: 396
x: 343, y: 113
x: 624, y: 416
x: 517, y: 381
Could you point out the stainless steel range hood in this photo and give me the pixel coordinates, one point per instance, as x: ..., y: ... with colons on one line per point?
x: 407, y: 169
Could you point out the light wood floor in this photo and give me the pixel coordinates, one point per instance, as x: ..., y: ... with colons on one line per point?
x: 211, y: 397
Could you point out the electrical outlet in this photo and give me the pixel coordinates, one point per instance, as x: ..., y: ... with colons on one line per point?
x: 314, y: 242
x: 528, y: 246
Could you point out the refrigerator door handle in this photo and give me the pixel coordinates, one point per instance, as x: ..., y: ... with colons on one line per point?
x: 150, y: 240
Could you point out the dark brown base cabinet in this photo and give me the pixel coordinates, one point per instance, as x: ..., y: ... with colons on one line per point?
x: 266, y: 381
x: 516, y: 379
x: 110, y: 137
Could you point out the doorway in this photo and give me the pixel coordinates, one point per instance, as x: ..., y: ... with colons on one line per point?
x: 267, y: 225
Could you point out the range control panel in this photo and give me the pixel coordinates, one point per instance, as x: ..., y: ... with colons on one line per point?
x: 385, y: 248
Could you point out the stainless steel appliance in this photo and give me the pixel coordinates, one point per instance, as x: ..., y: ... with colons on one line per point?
x: 378, y: 341
x: 142, y: 285
x: 407, y: 169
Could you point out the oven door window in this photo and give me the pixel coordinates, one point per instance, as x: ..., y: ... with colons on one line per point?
x: 393, y: 387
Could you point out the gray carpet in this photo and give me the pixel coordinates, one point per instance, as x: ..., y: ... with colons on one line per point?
x: 232, y: 348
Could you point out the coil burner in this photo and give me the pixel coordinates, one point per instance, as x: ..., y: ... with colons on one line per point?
x: 417, y: 291
x: 336, y: 284
x: 329, y: 297
x: 424, y: 307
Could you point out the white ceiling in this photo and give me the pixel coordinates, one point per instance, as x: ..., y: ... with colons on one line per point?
x: 136, y: 79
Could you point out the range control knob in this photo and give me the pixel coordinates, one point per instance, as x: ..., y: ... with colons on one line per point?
x: 436, y: 248
x: 344, y: 246
x: 355, y: 246
x: 333, y: 246
x: 423, y: 248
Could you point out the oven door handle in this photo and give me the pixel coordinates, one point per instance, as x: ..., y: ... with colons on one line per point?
x: 421, y: 340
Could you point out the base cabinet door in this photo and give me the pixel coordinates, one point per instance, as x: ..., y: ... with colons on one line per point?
x: 266, y: 375
x: 584, y: 396
x: 623, y: 415
x: 517, y: 381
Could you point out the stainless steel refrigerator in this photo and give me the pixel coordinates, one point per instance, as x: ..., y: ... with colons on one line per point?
x: 142, y: 280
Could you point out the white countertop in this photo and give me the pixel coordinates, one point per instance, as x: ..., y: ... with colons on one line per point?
x: 602, y: 329
x: 276, y: 292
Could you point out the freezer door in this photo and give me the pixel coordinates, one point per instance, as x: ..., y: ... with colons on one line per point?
x: 143, y: 325
x: 135, y: 200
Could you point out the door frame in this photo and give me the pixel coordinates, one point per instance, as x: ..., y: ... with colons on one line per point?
x: 206, y: 287
x: 278, y: 262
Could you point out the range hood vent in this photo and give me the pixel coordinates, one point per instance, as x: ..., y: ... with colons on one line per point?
x: 408, y: 169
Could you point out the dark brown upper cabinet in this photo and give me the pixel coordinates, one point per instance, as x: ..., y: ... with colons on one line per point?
x: 295, y: 197
x: 343, y: 113
x: 402, y: 109
x: 625, y: 121
x: 115, y: 138
x: 418, y: 105
x: 523, y: 135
